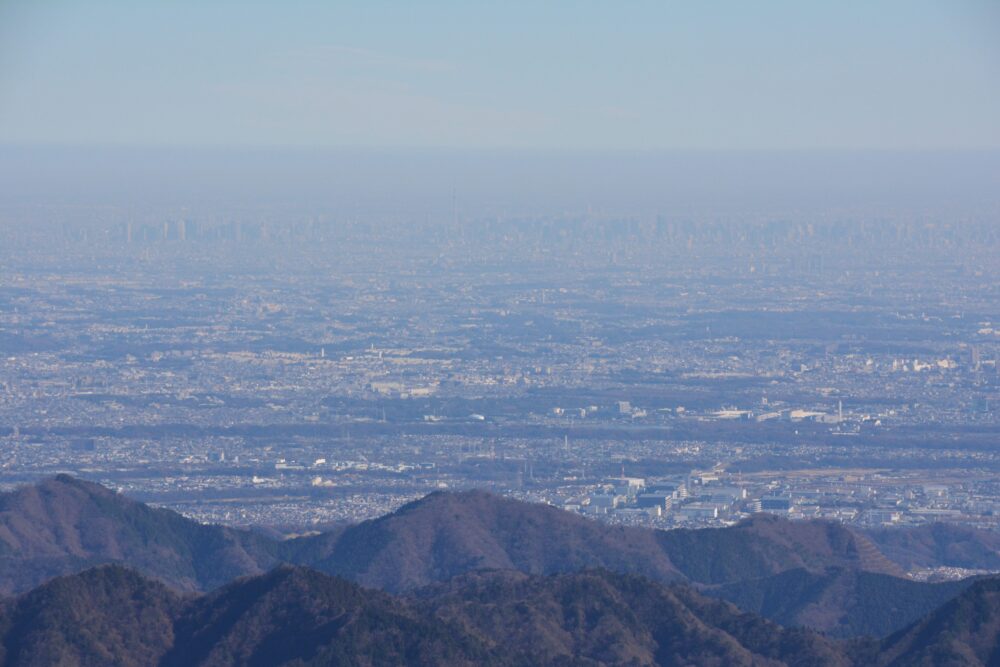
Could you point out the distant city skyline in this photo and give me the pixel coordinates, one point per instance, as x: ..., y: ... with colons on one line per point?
x: 552, y: 76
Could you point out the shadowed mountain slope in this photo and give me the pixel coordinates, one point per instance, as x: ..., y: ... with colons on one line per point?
x: 798, y: 573
x: 839, y: 602
x: 294, y: 616
x: 300, y: 616
x: 105, y: 616
x: 603, y: 618
x: 63, y: 525
x: 446, y: 534
x: 964, y: 631
x: 940, y: 544
x: 766, y: 544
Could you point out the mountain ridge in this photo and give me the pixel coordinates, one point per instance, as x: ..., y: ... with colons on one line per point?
x: 64, y: 525
x: 839, y: 602
x: 291, y: 615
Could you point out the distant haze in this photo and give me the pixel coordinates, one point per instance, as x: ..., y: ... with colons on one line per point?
x: 442, y: 184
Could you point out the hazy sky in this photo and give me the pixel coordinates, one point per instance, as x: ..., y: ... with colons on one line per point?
x: 895, y: 74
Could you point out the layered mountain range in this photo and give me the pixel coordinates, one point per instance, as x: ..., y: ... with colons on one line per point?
x: 112, y: 615
x: 472, y: 578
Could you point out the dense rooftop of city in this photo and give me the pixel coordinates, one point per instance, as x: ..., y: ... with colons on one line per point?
x: 651, y: 370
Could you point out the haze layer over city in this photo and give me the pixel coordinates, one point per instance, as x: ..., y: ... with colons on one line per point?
x: 669, y: 274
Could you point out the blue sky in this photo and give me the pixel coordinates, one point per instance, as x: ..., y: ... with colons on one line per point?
x: 579, y: 75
